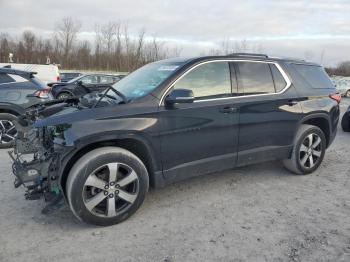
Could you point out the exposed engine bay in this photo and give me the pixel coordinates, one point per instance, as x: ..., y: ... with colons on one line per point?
x: 38, y: 149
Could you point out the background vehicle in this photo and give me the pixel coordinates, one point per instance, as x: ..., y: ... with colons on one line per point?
x: 18, y: 91
x: 67, y: 76
x: 342, y: 85
x: 45, y: 73
x: 174, y: 119
x: 82, y: 85
x: 345, y: 122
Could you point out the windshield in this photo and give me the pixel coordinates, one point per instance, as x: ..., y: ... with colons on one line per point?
x: 144, y: 80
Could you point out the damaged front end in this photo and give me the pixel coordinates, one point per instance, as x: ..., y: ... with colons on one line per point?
x: 36, y: 159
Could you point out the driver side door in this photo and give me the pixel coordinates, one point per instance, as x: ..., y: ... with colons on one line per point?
x: 201, y: 137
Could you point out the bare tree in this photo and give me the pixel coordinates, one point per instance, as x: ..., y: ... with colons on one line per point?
x: 114, y: 48
x: 67, y: 30
x: 29, y: 42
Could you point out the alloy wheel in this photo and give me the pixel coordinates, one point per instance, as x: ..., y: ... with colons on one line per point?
x: 310, y: 151
x: 63, y: 96
x: 8, y: 132
x: 110, y: 190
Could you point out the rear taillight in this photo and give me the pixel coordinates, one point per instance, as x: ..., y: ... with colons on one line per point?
x: 336, y: 97
x: 58, y: 78
x: 43, y: 93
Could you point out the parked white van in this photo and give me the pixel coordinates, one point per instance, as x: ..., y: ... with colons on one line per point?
x: 46, y: 73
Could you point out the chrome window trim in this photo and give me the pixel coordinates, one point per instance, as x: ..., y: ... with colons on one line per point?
x: 280, y: 69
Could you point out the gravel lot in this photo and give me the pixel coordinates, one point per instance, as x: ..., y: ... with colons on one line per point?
x: 256, y: 213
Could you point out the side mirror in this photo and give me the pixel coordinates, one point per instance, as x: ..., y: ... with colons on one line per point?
x: 179, y: 96
x: 80, y: 83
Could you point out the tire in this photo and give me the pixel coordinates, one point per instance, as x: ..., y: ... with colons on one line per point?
x: 347, y: 94
x: 345, y: 122
x: 8, y: 130
x: 95, y: 168
x: 302, y: 150
x: 64, y: 95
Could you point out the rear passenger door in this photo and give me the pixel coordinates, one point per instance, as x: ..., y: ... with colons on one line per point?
x: 269, y: 115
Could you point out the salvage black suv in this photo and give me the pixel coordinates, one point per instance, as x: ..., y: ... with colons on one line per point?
x: 171, y: 120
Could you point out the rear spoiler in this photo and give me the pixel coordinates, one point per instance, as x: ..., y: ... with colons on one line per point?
x: 8, y: 70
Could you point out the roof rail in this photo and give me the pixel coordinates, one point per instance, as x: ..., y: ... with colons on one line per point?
x: 290, y: 58
x: 249, y: 54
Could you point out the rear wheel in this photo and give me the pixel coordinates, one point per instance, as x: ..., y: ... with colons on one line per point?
x: 64, y: 95
x: 345, y: 122
x: 106, y: 186
x: 8, y: 130
x: 308, y: 152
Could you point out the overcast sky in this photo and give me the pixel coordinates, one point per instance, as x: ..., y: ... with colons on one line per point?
x: 298, y: 28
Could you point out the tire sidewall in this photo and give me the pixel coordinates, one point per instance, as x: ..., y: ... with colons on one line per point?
x: 300, y: 140
x: 347, y: 93
x: 345, y: 122
x: 75, y: 196
x: 12, y: 118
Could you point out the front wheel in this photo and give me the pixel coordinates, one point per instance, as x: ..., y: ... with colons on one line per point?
x: 106, y: 186
x: 308, y: 151
x: 8, y: 130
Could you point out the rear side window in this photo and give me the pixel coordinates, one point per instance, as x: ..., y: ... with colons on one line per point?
x: 4, y: 78
x: 106, y: 79
x: 280, y: 82
x: 90, y: 80
x: 315, y: 76
x: 254, y: 78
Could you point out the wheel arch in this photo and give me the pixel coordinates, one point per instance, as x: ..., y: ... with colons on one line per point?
x: 320, y: 120
x: 11, y: 109
x: 135, y: 145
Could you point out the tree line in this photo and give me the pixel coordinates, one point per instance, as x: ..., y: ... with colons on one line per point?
x: 342, y: 69
x: 112, y: 48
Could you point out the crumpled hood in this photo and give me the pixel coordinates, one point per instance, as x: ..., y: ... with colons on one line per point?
x: 66, y: 115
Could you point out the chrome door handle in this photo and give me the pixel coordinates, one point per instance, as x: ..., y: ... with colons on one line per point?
x: 228, y: 110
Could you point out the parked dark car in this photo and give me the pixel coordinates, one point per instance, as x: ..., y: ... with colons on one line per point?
x: 174, y: 119
x: 18, y: 91
x: 82, y: 85
x: 345, y: 122
x: 67, y: 76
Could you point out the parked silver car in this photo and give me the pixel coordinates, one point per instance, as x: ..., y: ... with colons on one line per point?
x: 342, y: 84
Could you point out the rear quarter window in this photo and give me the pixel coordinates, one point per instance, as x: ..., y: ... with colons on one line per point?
x: 5, y: 78
x: 315, y: 76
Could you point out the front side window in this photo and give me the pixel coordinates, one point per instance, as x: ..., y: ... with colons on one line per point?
x: 106, y: 80
x: 210, y: 80
x: 254, y: 78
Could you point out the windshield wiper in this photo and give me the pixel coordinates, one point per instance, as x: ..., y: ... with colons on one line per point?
x: 104, y: 94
